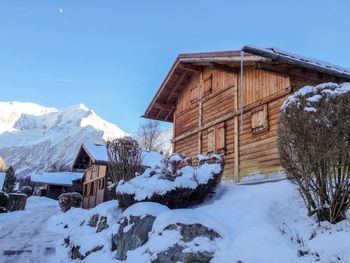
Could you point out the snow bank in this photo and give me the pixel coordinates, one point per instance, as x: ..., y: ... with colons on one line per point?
x: 75, y: 225
x: 263, y: 223
x: 145, y: 208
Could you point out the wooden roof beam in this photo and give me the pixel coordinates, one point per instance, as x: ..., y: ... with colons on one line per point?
x: 316, y: 76
x: 191, y: 67
x: 177, y: 85
x: 163, y: 106
x: 223, y: 67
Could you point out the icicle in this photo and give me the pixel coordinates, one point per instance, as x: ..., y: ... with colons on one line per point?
x: 241, y: 89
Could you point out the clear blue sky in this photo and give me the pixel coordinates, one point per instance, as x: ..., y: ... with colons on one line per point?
x: 113, y: 55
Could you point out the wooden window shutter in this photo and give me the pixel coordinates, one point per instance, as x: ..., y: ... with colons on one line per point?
x: 260, y: 119
x: 220, y: 138
x: 208, y: 85
x: 194, y: 94
x: 211, y: 140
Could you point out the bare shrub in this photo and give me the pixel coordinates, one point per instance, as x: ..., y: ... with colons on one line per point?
x: 69, y: 200
x: 149, y: 136
x: 125, y: 159
x: 314, y: 144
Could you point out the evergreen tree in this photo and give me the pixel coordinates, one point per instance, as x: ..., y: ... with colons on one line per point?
x: 10, y: 180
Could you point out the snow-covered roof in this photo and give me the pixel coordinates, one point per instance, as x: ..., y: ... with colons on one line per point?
x: 97, y: 151
x: 56, y: 178
x: 151, y: 158
x: 277, y: 54
x: 2, y: 180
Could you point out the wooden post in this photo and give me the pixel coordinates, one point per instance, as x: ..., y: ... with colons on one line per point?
x: 174, y: 132
x: 236, y: 133
x: 200, y: 112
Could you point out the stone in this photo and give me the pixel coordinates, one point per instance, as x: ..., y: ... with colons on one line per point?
x: 188, y: 233
x: 132, y: 233
x: 102, y: 225
x: 76, y: 254
x: 93, y: 220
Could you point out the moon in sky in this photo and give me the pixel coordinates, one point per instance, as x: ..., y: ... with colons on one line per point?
x: 61, y: 10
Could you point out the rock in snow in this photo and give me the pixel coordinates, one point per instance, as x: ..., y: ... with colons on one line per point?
x: 134, y: 227
x: 34, y: 138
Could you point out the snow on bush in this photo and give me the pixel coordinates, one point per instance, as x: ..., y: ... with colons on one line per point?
x: 69, y: 200
x: 176, y: 183
x: 314, y: 143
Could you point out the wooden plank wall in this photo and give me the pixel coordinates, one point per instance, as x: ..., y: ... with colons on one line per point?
x: 258, y: 152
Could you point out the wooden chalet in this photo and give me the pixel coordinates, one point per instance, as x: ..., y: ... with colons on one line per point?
x: 229, y: 102
x: 93, y: 159
x: 53, y: 184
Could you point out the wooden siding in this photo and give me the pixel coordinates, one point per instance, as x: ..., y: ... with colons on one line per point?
x: 94, y: 186
x: 253, y: 153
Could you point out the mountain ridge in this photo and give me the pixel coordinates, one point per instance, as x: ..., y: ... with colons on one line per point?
x: 35, y: 138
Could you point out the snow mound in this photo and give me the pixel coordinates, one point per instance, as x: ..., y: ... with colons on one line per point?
x: 145, y: 208
x: 169, y: 184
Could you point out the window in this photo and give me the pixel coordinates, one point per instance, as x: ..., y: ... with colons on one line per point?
x: 220, y: 138
x: 216, y: 139
x: 211, y: 140
x: 194, y: 94
x: 208, y: 85
x: 260, y: 119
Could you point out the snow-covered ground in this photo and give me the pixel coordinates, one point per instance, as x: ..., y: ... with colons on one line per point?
x: 23, y: 234
x: 258, y: 223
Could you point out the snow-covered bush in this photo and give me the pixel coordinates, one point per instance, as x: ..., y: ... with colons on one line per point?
x: 26, y: 189
x: 69, y: 200
x: 314, y: 143
x: 176, y: 184
x: 4, y: 198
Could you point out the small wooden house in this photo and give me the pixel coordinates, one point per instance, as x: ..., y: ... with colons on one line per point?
x: 93, y: 159
x: 229, y: 103
x: 53, y: 184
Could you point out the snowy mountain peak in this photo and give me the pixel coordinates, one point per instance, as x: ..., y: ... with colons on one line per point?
x: 37, y: 138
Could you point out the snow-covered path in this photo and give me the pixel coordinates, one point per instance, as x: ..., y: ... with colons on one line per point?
x: 24, y: 236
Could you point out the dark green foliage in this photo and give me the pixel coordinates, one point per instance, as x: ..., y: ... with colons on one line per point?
x: 4, y: 198
x: 10, y: 180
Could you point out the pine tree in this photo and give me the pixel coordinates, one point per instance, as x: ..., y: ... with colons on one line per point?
x: 10, y: 180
